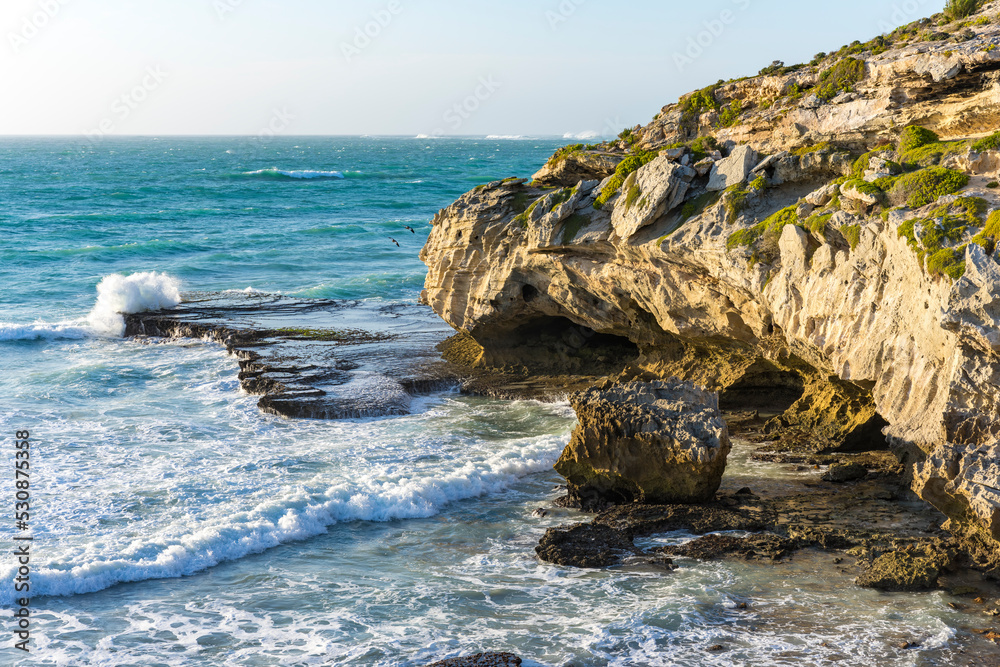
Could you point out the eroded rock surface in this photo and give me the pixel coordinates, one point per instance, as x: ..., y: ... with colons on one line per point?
x: 873, y: 304
x: 315, y: 358
x: 650, y: 442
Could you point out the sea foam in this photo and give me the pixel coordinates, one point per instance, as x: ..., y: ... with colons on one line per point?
x: 180, y: 549
x: 119, y: 295
x: 42, y: 331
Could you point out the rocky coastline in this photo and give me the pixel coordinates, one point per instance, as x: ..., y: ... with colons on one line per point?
x: 816, y: 243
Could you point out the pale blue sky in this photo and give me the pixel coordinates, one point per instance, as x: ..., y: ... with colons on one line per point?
x: 538, y: 67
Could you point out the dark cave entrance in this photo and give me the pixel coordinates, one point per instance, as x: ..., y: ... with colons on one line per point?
x: 558, y: 345
x: 769, y: 392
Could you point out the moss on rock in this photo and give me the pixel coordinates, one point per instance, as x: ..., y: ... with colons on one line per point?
x: 900, y: 571
x: 923, y: 187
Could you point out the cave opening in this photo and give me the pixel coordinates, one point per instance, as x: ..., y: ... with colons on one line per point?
x: 767, y: 391
x: 557, y: 344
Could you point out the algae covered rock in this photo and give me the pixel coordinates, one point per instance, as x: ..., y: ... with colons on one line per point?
x: 651, y: 442
x: 481, y: 660
x: 841, y: 473
x: 901, y: 571
x: 585, y: 545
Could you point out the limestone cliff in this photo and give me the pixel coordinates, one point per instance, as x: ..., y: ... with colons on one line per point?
x: 841, y: 256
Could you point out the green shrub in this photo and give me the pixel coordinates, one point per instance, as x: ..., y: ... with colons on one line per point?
x: 840, y: 78
x: 915, y: 136
x: 959, y: 9
x: 702, y: 146
x: 730, y: 115
x: 736, y: 196
x: 624, y: 169
x: 989, y: 235
x: 566, y: 151
x: 861, y: 164
x: 864, y: 187
x: 698, y: 103
x: 696, y: 206
x: 815, y: 148
x: 949, y: 224
x: 930, y: 154
x: 817, y: 222
x: 853, y: 235
x: 923, y: 187
x: 947, y: 262
x: 770, y: 227
x: 990, y: 143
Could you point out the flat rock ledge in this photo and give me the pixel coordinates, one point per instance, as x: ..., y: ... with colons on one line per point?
x: 314, y: 358
x: 650, y: 442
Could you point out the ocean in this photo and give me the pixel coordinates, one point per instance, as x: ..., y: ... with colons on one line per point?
x: 174, y: 523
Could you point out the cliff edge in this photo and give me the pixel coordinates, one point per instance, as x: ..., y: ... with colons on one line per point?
x: 822, y: 235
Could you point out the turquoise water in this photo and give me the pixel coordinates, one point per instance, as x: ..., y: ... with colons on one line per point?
x: 175, y: 524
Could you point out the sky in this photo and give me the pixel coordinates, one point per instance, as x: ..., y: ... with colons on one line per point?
x: 395, y: 67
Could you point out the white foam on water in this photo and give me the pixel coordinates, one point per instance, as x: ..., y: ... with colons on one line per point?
x: 295, y: 173
x: 119, y: 295
x: 183, y: 547
x: 43, y: 331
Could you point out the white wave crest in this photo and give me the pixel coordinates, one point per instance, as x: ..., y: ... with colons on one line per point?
x: 296, y: 516
x: 589, y: 134
x: 506, y: 137
x: 42, y: 331
x: 119, y: 295
x: 300, y: 174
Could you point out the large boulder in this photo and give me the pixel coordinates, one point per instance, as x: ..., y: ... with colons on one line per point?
x: 650, y: 192
x: 734, y: 169
x: 568, y: 168
x: 651, y: 442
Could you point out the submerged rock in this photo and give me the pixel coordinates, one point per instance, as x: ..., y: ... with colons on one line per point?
x: 651, y: 442
x: 481, y: 660
x: 845, y: 473
x: 901, y: 571
x: 710, y: 547
x: 637, y: 519
x: 585, y: 545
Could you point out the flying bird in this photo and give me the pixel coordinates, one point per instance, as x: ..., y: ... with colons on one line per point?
x: 395, y: 241
x: 410, y: 228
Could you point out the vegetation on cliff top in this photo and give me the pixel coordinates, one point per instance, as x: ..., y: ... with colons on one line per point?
x: 959, y: 9
x: 625, y: 168
x: 840, y: 78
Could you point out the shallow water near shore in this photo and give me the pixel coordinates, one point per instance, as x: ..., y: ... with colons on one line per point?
x: 176, y: 524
